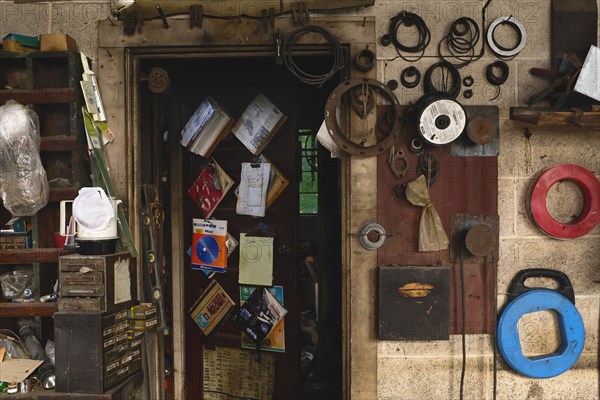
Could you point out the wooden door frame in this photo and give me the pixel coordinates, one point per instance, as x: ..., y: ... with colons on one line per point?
x: 117, y: 67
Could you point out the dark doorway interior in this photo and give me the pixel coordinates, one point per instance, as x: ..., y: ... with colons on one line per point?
x: 307, y: 248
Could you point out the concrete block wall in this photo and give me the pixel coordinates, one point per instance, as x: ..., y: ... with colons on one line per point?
x: 431, y: 370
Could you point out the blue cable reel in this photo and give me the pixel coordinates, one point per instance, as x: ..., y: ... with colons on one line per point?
x: 528, y: 300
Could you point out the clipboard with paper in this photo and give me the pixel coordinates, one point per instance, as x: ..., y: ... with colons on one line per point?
x: 252, y: 195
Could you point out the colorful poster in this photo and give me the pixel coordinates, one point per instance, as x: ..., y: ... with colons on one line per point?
x: 275, y: 341
x: 209, y: 248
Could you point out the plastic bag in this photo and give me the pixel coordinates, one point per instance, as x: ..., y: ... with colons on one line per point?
x: 432, y: 236
x: 23, y: 182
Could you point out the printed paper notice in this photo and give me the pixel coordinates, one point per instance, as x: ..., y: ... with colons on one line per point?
x: 252, y: 195
x: 256, y: 260
x: 122, y: 281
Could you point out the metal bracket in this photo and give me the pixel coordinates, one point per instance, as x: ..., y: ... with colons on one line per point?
x: 300, y: 13
x: 196, y: 16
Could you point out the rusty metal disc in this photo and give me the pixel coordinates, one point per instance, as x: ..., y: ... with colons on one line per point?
x: 481, y: 130
x: 158, y: 81
x: 341, y: 138
x: 480, y: 240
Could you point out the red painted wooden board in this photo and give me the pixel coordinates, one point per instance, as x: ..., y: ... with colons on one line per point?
x: 464, y: 185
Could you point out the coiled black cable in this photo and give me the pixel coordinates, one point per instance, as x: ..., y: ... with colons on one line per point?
x: 494, y: 79
x: 443, y: 65
x: 462, y: 37
x: 409, y: 19
x: 306, y: 77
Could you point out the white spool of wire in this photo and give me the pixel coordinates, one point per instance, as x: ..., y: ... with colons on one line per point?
x: 439, y: 119
x: 372, y: 236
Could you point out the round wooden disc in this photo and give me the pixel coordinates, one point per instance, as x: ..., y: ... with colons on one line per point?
x: 481, y: 130
x: 480, y: 240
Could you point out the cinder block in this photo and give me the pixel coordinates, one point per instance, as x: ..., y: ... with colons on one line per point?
x: 26, y: 18
x: 506, y: 206
x: 431, y: 378
x: 577, y: 258
x: 476, y: 345
x: 80, y: 20
x: 512, y: 158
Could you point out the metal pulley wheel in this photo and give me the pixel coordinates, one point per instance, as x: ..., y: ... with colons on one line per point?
x: 158, y: 81
x: 439, y: 119
x: 342, y: 139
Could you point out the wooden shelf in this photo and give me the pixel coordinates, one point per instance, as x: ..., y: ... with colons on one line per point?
x: 34, y: 54
x: 30, y: 256
x: 547, y: 117
x: 38, y: 96
x: 58, y: 143
x: 35, y: 309
x: 62, y: 193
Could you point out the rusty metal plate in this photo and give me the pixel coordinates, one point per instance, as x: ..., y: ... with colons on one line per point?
x: 482, y: 136
x: 468, y: 234
x: 414, y: 303
x: 464, y: 185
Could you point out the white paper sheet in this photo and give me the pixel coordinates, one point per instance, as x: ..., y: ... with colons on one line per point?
x: 252, y: 195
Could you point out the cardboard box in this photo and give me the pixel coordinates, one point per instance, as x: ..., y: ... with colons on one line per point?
x: 20, y: 43
x: 57, y: 42
x: 15, y: 240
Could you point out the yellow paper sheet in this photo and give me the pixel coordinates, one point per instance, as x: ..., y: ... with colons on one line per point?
x: 256, y: 260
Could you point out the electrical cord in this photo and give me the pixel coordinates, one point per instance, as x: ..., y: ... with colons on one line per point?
x: 462, y: 37
x: 464, y: 338
x: 409, y: 19
x: 443, y: 65
x: 303, y: 76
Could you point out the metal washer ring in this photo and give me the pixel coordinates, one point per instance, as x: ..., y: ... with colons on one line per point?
x: 519, y: 29
x: 372, y: 228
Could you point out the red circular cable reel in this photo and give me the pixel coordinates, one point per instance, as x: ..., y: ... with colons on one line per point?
x: 590, y: 214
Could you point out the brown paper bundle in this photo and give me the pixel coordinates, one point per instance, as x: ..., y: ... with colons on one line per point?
x: 432, y: 236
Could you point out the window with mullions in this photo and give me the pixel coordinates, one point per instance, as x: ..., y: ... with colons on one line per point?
x: 309, y: 196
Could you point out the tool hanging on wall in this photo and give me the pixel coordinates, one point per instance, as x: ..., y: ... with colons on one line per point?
x: 364, y: 60
x: 342, y: 139
x: 397, y: 155
x: 439, y: 119
x: 589, y: 216
x: 527, y: 300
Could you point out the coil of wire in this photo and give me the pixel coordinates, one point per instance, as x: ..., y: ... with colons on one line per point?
x: 409, y: 19
x: 302, y: 75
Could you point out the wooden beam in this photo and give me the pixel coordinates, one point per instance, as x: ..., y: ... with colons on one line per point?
x: 546, y: 117
x: 30, y: 256
x: 35, y: 309
x: 38, y: 96
x: 58, y: 143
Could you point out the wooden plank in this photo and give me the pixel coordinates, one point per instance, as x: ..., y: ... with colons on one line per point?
x: 38, y: 96
x: 34, y: 309
x: 544, y: 117
x: 58, y: 143
x: 30, y: 256
x: 232, y: 8
x: 34, y: 54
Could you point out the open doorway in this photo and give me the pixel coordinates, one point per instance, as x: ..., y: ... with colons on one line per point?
x: 305, y: 219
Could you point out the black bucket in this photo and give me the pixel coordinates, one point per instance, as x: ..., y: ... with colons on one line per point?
x: 97, y: 247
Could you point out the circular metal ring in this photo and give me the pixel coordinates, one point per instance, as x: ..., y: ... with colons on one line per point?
x: 364, y: 54
x: 415, y: 146
x: 385, y: 40
x: 519, y: 30
x: 410, y: 72
x: 372, y: 236
x: 344, y: 142
x: 468, y: 94
x: 392, y: 84
x: 468, y: 81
